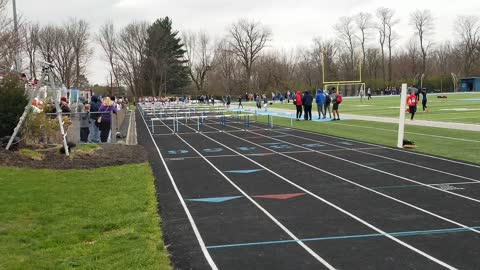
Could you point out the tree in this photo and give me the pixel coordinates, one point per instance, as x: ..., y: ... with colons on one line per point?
x: 165, y: 65
x: 199, y: 58
x: 79, y: 34
x: 108, y: 41
x: 224, y: 62
x: 386, y: 35
x: 467, y: 29
x: 130, y: 49
x: 63, y: 54
x: 364, y: 24
x: 8, y: 41
x: 31, y: 45
x: 46, y: 42
x: 346, y: 34
x: 248, y: 39
x: 422, y: 22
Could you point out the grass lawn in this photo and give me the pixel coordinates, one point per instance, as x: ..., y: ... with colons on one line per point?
x: 456, y: 144
x: 459, y: 108
x: 80, y: 219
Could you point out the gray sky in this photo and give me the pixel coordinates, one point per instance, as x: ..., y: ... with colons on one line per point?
x: 294, y: 23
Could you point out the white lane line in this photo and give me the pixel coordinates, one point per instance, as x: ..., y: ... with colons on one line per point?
x: 285, y: 229
x: 385, y: 147
x: 361, y: 186
x: 337, y: 207
x: 384, y: 157
x: 377, y: 170
x: 182, y: 201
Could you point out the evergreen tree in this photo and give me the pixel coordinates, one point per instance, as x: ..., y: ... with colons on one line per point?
x: 164, y: 68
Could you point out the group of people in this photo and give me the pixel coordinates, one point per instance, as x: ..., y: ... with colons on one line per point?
x: 323, y: 99
x: 94, y: 117
x: 413, y: 100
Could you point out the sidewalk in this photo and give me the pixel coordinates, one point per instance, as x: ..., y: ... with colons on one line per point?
x: 291, y: 114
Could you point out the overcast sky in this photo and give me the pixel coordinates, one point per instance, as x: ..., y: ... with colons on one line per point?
x: 294, y: 23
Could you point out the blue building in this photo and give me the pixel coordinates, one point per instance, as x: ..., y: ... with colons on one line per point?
x: 471, y: 84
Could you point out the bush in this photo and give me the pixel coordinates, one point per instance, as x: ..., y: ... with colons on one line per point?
x: 12, y: 103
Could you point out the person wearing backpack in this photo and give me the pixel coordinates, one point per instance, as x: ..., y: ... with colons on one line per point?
x: 298, y: 104
x: 336, y: 100
x: 412, y: 102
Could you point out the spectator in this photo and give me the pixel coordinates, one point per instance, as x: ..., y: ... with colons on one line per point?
x: 94, y: 134
x: 328, y: 101
x: 240, y: 102
x: 320, y: 100
x: 84, y: 123
x: 229, y: 100
x: 307, y: 101
x: 298, y: 104
x: 424, y: 100
x: 105, y: 119
x: 369, y: 93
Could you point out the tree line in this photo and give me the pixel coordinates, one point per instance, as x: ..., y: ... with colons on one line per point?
x: 155, y: 59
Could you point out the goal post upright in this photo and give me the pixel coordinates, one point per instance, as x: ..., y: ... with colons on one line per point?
x: 339, y: 83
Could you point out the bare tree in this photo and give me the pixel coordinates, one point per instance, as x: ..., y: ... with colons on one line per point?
x: 46, y: 42
x: 130, y: 50
x: 108, y: 40
x: 422, y: 21
x: 386, y: 35
x: 247, y: 39
x: 364, y: 24
x: 199, y: 56
x: 328, y: 50
x: 345, y: 29
x: 63, y: 54
x: 79, y: 35
x: 224, y: 62
x: 31, y: 45
x: 467, y: 29
x: 8, y: 40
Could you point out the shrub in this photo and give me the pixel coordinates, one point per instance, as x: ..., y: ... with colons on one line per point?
x: 12, y: 103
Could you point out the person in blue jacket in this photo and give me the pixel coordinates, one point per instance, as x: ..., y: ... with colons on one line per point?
x: 320, y: 100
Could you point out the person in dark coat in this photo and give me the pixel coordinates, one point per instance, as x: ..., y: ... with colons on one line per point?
x: 94, y: 134
x: 307, y: 101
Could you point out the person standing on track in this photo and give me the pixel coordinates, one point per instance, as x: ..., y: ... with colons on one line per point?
x: 240, y: 102
x: 424, y: 100
x: 320, y: 100
x: 336, y: 100
x: 412, y: 102
x: 298, y: 104
x: 369, y: 93
x: 229, y: 100
x: 362, y: 94
x: 307, y: 101
x: 328, y: 100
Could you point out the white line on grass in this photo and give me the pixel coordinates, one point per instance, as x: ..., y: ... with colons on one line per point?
x: 335, y: 206
x: 385, y: 147
x: 375, y: 169
x: 182, y: 201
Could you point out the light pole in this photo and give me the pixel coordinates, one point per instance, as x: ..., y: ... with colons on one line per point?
x: 15, y: 28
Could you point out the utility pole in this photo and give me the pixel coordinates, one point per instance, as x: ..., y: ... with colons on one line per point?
x: 15, y: 28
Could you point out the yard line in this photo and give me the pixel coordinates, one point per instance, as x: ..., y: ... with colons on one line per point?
x: 185, y: 208
x: 337, y: 207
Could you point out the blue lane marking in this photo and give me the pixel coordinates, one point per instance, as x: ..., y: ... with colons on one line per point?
x: 245, y: 148
x: 345, y: 143
x: 280, y: 136
x: 271, y: 143
x: 313, y: 145
x: 259, y: 155
x: 244, y: 171
x: 213, y: 150
x: 177, y: 152
x: 281, y: 146
x: 399, y: 234
x: 215, y: 199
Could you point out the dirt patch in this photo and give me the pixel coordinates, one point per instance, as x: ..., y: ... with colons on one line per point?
x: 106, y: 155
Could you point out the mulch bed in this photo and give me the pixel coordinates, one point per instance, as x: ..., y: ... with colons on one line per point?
x: 106, y: 155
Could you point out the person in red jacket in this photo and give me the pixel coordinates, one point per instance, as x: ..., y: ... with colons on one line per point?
x: 412, y: 102
x: 298, y: 103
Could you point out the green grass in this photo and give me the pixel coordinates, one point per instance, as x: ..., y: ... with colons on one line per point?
x: 31, y: 154
x: 440, y: 109
x: 80, y: 219
x: 451, y: 143
x: 87, y: 147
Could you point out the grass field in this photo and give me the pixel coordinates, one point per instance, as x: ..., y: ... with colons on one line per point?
x: 451, y: 143
x: 80, y: 219
x: 459, y: 108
